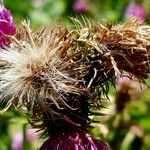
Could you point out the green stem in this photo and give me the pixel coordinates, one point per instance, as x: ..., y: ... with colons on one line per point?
x: 25, y: 143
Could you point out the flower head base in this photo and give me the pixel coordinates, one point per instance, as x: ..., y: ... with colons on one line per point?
x: 7, y: 27
x: 74, y: 141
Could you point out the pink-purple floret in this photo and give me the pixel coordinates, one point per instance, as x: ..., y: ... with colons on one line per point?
x: 7, y: 26
x: 136, y: 10
x: 74, y: 141
x: 80, y: 6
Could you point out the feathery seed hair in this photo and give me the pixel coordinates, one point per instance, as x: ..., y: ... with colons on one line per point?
x: 60, y: 75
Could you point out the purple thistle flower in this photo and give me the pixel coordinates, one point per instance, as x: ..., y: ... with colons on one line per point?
x: 136, y: 10
x: 7, y: 27
x: 73, y: 141
x: 80, y: 6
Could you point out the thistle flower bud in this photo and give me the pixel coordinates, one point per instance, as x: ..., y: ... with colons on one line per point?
x: 7, y: 27
x: 126, y: 89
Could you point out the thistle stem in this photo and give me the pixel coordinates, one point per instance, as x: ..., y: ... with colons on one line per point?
x: 25, y: 143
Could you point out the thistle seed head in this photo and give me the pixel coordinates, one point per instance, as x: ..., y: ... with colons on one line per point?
x: 34, y: 70
x: 60, y: 75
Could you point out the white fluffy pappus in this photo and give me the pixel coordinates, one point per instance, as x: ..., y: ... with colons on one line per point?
x: 32, y: 69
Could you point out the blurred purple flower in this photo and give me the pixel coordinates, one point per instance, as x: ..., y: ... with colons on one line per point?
x: 74, y: 141
x: 122, y: 80
x: 7, y: 27
x: 80, y: 6
x: 17, y: 141
x: 136, y: 10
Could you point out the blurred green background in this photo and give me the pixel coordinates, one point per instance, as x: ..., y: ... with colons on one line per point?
x: 46, y: 11
x: 124, y: 127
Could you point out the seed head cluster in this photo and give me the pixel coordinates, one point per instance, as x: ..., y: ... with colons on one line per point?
x: 60, y: 75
